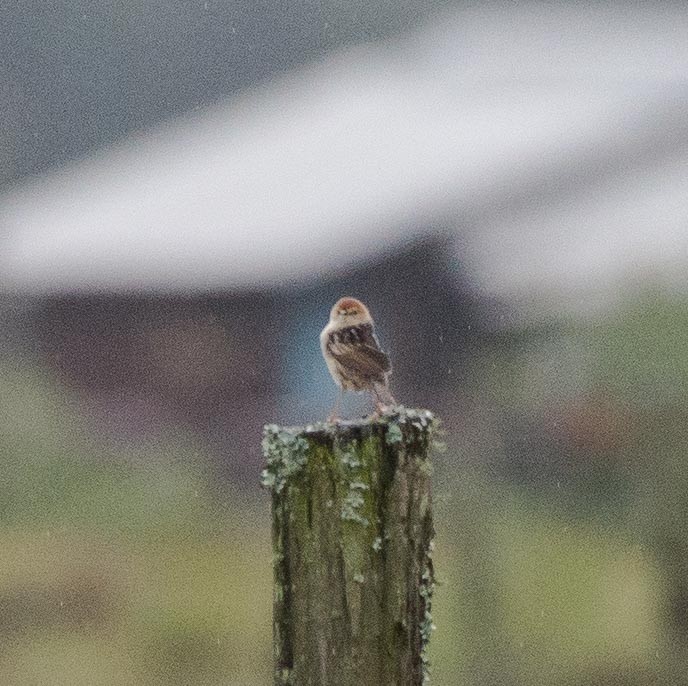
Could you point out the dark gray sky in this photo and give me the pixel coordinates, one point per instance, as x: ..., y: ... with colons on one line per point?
x: 79, y: 74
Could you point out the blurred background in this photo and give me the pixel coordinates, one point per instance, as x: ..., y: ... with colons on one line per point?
x: 185, y: 190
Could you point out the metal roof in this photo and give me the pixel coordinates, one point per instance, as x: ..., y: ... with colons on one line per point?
x: 551, y: 139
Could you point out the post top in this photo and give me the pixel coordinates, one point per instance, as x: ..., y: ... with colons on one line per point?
x: 398, y: 416
x: 286, y: 448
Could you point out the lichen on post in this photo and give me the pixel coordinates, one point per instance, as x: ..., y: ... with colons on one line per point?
x: 352, y: 544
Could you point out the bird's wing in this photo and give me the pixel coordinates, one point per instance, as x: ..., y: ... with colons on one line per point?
x: 357, y: 349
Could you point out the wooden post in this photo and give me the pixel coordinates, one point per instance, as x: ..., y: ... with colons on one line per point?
x: 352, y: 543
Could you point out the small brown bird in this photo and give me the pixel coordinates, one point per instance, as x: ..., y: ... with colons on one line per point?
x: 353, y: 355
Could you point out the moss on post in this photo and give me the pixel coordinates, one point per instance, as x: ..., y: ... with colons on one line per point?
x: 352, y: 544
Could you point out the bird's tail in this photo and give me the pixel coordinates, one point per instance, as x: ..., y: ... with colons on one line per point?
x: 382, y: 394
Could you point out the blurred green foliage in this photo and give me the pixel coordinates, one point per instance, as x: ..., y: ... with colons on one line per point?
x: 561, y: 514
x: 121, y: 568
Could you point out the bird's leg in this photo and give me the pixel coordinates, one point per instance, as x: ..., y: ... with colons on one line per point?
x: 383, y: 399
x: 334, y: 415
x: 380, y: 407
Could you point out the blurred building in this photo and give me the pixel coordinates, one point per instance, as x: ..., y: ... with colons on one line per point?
x: 221, y: 365
x: 486, y: 158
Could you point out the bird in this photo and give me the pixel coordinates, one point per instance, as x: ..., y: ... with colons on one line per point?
x: 353, y: 354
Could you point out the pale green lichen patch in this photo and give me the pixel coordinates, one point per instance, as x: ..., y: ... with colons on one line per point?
x: 427, y: 626
x: 405, y: 415
x: 286, y: 453
x: 354, y: 471
x: 359, y: 460
x: 394, y: 434
x: 353, y: 501
x: 408, y: 426
x: 349, y: 459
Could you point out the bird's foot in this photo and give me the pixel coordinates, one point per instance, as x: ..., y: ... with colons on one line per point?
x: 381, y: 409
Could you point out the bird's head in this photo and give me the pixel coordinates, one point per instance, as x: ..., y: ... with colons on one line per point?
x: 349, y: 312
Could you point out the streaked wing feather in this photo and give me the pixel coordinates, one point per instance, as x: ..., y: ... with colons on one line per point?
x: 366, y: 362
x: 357, y: 349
